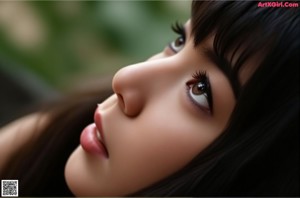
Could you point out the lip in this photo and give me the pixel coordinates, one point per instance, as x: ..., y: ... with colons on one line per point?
x: 98, y: 122
x: 89, y: 140
x: 109, y: 102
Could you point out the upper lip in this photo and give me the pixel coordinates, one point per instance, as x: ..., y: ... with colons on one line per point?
x: 110, y: 101
x: 98, y: 122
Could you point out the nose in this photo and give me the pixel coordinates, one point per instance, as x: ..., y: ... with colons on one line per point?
x: 127, y: 84
x: 136, y: 85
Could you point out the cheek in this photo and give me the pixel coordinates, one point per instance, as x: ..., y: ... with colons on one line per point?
x: 158, y: 145
x: 160, y: 141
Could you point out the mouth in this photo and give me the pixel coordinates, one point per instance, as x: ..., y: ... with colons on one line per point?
x: 99, y: 130
x: 92, y: 137
x: 92, y: 142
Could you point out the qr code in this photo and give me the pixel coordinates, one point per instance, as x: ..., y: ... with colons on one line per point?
x: 9, y: 188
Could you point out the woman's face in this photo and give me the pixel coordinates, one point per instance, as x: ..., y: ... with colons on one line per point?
x: 164, y: 112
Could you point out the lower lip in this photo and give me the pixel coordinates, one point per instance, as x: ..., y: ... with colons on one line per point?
x: 90, y: 142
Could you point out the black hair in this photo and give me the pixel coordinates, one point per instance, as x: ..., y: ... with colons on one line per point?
x: 258, y: 152
x: 39, y: 165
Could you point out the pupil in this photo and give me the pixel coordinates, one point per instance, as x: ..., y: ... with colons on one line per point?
x: 179, y: 41
x: 199, y: 88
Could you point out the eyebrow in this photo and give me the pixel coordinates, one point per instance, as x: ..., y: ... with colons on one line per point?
x: 225, y: 67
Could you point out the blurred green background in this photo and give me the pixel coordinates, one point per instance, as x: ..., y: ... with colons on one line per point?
x: 63, y: 42
x: 51, y: 47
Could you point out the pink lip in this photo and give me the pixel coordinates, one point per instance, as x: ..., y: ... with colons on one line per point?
x: 88, y: 139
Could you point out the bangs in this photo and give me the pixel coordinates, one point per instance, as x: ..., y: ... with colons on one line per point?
x: 241, y: 30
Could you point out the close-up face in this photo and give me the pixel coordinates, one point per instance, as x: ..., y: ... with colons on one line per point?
x: 164, y: 112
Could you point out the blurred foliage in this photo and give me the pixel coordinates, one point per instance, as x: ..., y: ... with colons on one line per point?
x: 66, y: 43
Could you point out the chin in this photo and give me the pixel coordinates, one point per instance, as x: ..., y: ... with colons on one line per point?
x: 79, y: 176
x: 72, y: 173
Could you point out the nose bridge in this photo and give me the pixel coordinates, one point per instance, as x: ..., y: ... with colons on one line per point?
x: 133, y: 84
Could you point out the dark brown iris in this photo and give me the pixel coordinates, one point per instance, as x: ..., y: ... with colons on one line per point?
x: 179, y: 41
x: 199, y: 88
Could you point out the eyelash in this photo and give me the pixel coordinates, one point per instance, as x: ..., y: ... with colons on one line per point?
x: 198, y: 76
x: 201, y: 76
x: 178, y: 28
x: 177, y: 44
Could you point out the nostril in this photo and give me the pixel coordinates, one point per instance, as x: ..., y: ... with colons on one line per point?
x: 121, y: 102
x: 129, y: 104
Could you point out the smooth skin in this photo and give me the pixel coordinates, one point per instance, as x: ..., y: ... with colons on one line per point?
x: 151, y: 125
x: 152, y: 128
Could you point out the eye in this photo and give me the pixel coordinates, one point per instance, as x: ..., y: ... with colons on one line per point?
x: 178, y: 43
x: 199, y: 91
